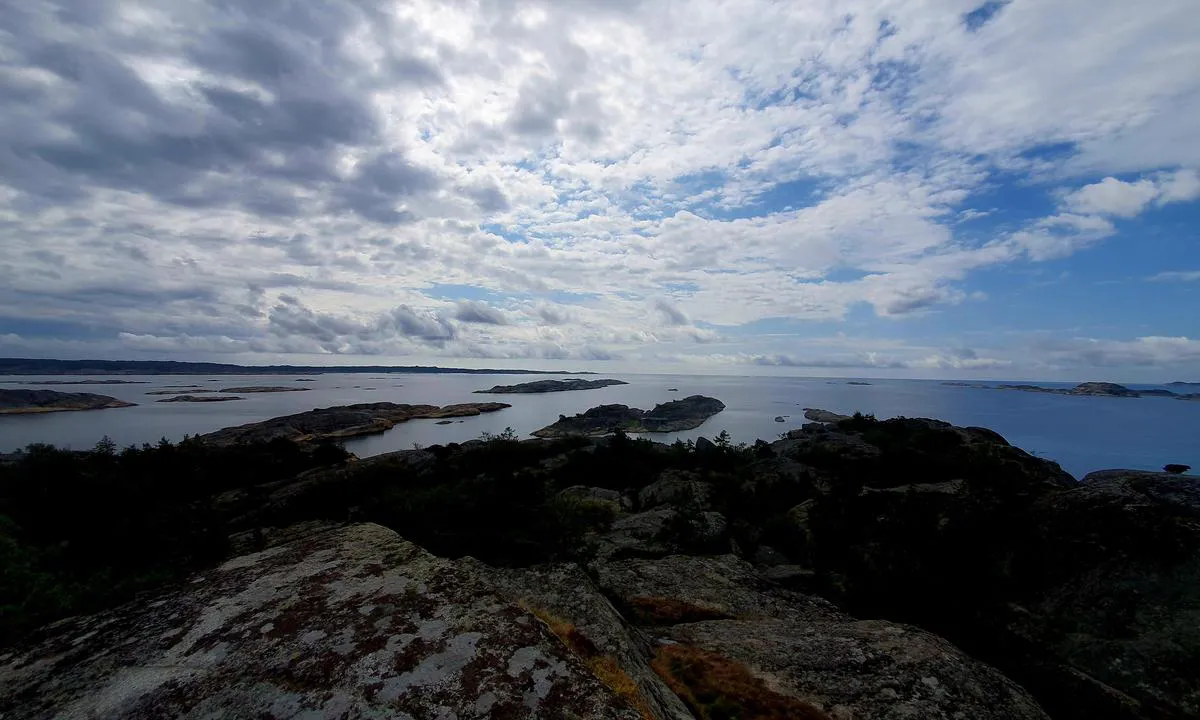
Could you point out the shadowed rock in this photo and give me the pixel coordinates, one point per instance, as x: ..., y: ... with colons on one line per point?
x: 810, y: 651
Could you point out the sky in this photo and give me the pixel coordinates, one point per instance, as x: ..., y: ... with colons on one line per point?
x: 924, y: 188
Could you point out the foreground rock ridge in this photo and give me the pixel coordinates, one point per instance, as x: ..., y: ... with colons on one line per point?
x: 354, y: 622
x: 852, y: 569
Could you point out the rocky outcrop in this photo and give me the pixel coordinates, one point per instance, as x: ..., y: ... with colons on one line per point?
x: 603, y: 496
x: 1111, y: 605
x: 341, y: 422
x: 808, y: 650
x: 1083, y: 591
x: 350, y: 623
x: 685, y: 414
x: 823, y: 416
x: 25, y: 402
x: 549, y: 386
x: 861, y: 531
x: 676, y: 488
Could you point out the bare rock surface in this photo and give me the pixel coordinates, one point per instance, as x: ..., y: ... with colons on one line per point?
x: 565, y: 591
x: 805, y: 648
x: 350, y: 623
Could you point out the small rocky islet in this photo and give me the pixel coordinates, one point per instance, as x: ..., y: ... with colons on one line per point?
x: 674, y: 416
x: 853, y: 568
x: 551, y: 386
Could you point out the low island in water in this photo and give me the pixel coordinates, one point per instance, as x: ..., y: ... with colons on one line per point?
x: 675, y: 416
x: 28, y: 402
x: 549, y: 386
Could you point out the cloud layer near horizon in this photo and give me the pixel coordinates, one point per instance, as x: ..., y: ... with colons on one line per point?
x: 825, y: 187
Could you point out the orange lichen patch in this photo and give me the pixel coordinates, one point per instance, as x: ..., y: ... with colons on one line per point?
x: 654, y: 610
x: 715, y: 687
x: 604, y: 667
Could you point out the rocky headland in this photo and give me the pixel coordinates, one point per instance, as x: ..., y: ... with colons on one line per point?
x: 685, y: 414
x: 853, y: 568
x: 549, y: 386
x: 28, y: 402
x: 343, y: 421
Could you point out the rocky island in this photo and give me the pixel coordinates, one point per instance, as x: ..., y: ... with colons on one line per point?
x: 191, y: 398
x: 75, y: 382
x: 603, y: 578
x: 264, y: 389
x: 684, y: 414
x: 27, y: 402
x: 1106, y: 389
x: 1095, y: 389
x: 343, y: 421
x: 549, y: 386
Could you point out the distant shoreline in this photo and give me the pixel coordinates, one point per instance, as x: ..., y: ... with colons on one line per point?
x: 34, y: 366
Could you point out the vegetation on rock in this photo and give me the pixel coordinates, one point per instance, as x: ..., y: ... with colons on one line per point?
x: 717, y: 688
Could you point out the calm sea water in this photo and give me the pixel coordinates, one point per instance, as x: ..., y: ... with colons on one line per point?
x: 1081, y: 433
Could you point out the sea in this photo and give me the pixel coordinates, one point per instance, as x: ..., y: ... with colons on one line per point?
x: 1082, y: 434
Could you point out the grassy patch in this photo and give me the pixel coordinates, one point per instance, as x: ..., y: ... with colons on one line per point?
x: 604, y: 667
x: 717, y: 688
x: 654, y: 610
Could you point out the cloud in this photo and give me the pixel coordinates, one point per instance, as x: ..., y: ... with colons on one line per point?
x: 1114, y: 197
x: 863, y: 361
x: 476, y: 312
x: 1176, y: 276
x: 671, y: 314
x: 375, y: 177
x: 1150, y: 351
